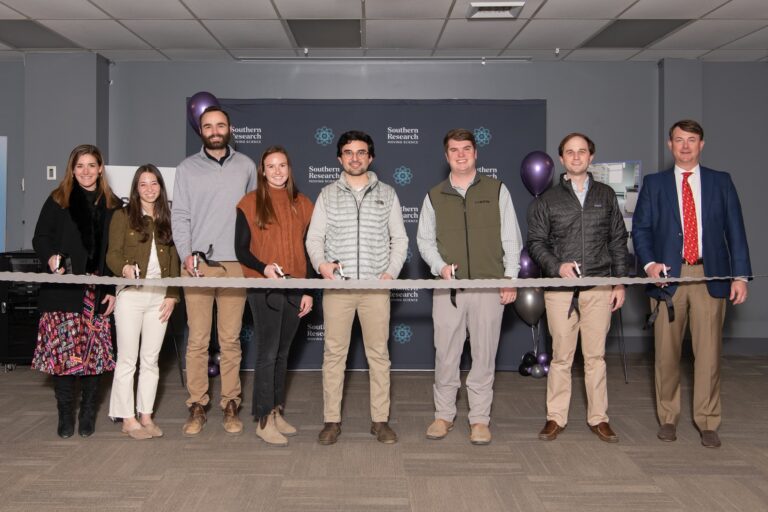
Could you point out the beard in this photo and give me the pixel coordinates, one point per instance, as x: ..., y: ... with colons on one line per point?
x: 223, y: 143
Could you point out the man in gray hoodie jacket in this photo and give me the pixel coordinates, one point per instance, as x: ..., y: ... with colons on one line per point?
x: 207, y: 188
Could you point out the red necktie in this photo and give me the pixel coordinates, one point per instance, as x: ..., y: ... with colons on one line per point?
x: 690, y: 230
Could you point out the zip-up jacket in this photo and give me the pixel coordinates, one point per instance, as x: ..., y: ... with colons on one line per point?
x: 560, y: 230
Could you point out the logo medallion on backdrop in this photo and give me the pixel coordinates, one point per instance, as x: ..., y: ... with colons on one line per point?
x: 482, y: 136
x: 403, y: 176
x: 324, y: 136
x: 246, y: 135
x: 402, y: 135
x: 402, y: 333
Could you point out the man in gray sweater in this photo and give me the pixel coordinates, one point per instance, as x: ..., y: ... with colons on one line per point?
x: 357, y: 232
x: 207, y: 187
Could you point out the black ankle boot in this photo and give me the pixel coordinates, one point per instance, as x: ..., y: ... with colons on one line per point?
x: 64, y: 389
x: 88, y: 405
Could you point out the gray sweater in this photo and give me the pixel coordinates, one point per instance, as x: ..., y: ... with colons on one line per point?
x: 205, y: 197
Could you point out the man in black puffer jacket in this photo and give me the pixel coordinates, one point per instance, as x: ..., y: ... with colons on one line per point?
x: 576, y: 229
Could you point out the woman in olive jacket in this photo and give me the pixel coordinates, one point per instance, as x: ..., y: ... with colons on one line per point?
x: 141, y: 246
x: 74, y: 339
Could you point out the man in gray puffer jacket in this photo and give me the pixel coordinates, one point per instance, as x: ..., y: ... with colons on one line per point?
x: 576, y: 229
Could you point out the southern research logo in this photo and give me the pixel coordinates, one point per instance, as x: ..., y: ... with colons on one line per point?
x: 402, y: 135
x: 246, y: 135
x: 405, y: 295
x: 324, y: 136
x: 315, y: 333
x: 482, y: 136
x: 410, y: 214
x: 403, y: 175
x: 402, y: 333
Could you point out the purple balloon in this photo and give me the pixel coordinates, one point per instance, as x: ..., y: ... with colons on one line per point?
x: 528, y: 268
x: 543, y: 358
x: 536, y: 171
x: 545, y: 367
x: 197, y: 105
x: 213, y: 370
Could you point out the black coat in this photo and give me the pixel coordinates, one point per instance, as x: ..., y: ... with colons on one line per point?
x: 561, y: 230
x: 81, y: 232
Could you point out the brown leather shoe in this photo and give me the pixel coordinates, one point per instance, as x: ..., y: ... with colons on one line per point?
x: 479, y: 434
x: 550, y: 431
x: 232, y: 424
x: 667, y: 432
x: 439, y: 429
x: 604, y: 432
x: 383, y: 432
x: 330, y: 433
x: 710, y: 439
x: 195, y: 422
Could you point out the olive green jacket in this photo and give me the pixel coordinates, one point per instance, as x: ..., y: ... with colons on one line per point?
x: 125, y: 248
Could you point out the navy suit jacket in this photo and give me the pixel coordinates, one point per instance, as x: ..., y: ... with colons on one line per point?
x: 657, y: 231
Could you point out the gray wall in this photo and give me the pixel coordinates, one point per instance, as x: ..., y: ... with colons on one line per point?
x: 625, y: 107
x: 12, y: 126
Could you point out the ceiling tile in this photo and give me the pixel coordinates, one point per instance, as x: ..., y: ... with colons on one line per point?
x: 544, y: 34
x: 461, y: 7
x: 479, y: 33
x: 322, y: 9
x: 601, y: 54
x: 132, y: 55
x: 173, y: 33
x: 232, y: 9
x: 742, y: 10
x: 6, y: 13
x: 402, y: 33
x: 257, y: 53
x: 198, y: 55
x: 666, y: 9
x: 754, y: 41
x: 249, y: 33
x: 583, y: 9
x: 57, y: 9
x: 144, y: 9
x: 735, y: 55
x: 96, y: 34
x: 707, y: 34
x: 397, y: 9
x: 397, y: 52
x: 656, y: 55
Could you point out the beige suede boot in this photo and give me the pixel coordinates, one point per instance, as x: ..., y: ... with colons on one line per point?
x: 283, y: 426
x: 267, y: 431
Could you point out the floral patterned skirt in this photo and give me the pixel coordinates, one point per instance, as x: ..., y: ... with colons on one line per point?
x: 74, y: 343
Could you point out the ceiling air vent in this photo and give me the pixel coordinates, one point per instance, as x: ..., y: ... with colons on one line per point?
x: 494, y: 10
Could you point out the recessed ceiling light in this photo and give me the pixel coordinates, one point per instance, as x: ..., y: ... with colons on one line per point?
x: 494, y: 10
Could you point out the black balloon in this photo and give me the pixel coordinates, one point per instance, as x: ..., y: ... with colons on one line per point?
x: 536, y: 171
x: 528, y: 268
x: 529, y: 359
x: 525, y: 371
x: 529, y: 305
x: 213, y: 370
x: 537, y: 371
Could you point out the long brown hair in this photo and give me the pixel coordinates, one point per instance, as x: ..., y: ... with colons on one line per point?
x: 162, y: 213
x: 64, y: 190
x: 265, y: 213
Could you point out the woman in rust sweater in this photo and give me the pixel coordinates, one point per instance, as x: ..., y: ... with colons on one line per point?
x: 269, y: 242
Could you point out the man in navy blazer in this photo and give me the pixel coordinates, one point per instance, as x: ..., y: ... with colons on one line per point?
x: 688, y: 223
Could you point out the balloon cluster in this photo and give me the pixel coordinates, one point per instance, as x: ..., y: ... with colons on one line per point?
x: 197, y: 105
x: 536, y: 366
x: 214, y: 364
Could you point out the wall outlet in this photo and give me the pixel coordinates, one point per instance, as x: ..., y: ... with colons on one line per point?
x: 50, y: 173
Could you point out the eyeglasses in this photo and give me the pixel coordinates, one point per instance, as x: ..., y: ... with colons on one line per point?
x: 348, y: 153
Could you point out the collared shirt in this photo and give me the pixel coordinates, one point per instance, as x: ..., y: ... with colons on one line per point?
x: 581, y: 196
x: 694, y: 180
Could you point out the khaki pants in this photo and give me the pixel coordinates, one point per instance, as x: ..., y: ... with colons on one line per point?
x: 230, y: 304
x: 594, y: 321
x: 372, y: 307
x: 479, y: 312
x: 694, y: 305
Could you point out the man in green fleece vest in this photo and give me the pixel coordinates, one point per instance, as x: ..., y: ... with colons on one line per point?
x: 467, y: 230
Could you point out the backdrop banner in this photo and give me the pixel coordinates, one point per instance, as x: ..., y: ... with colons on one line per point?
x: 408, y: 137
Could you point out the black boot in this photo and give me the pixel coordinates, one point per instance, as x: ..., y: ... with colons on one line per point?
x: 64, y: 389
x: 88, y: 405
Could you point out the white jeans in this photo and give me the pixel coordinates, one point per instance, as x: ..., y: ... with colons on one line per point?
x: 137, y: 316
